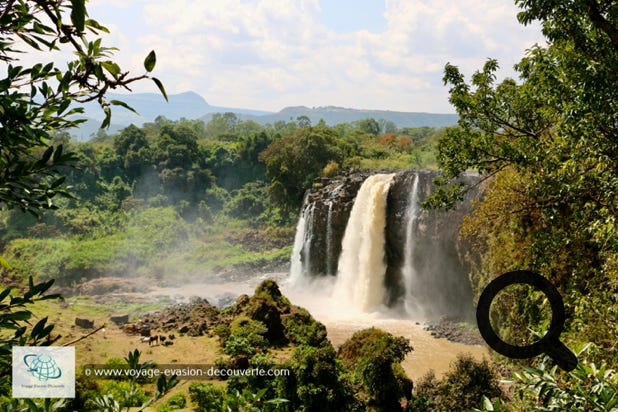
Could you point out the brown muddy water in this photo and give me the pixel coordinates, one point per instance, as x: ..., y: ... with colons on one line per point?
x: 341, y: 322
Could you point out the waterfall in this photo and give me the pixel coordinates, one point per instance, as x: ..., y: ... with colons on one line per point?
x: 299, y: 267
x: 410, y: 275
x: 329, y: 238
x: 361, y: 267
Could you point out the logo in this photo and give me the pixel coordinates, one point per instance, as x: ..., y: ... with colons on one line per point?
x: 43, y: 372
x: 43, y: 367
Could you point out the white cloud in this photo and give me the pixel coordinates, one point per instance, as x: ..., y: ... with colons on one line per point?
x: 272, y: 53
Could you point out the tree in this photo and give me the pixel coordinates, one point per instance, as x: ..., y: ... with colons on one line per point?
x: 293, y: 162
x: 132, y: 147
x: 374, y: 359
x: 35, y: 103
x: 550, y: 144
x: 369, y: 125
x: 40, y: 99
x: 303, y: 121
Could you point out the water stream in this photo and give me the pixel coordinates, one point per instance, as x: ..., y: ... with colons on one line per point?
x: 361, y: 267
x: 410, y: 275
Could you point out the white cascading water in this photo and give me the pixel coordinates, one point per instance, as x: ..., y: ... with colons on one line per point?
x: 361, y: 267
x: 302, y: 245
x: 410, y: 276
x: 329, y: 238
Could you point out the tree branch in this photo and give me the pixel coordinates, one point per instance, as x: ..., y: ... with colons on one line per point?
x: 84, y: 337
x: 601, y: 23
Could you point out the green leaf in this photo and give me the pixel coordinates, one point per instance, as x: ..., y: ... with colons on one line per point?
x: 112, y: 68
x: 22, y: 315
x: 160, y: 86
x: 38, y: 328
x: 123, y: 104
x: 108, y: 118
x: 150, y: 61
x: 4, y: 293
x: 94, y: 26
x: 5, y: 264
x: 58, y: 154
x: 78, y: 14
x: 46, y: 156
x: 58, y: 182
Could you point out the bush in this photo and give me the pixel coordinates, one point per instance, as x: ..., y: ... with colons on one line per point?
x: 206, y: 397
x: 175, y: 402
x: 223, y: 332
x: 586, y: 388
x: 330, y: 169
x: 124, y: 393
x: 462, y: 388
x: 372, y: 356
x: 246, y: 338
x: 318, y: 382
x: 302, y: 329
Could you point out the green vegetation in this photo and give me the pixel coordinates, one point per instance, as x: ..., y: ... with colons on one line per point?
x: 466, y: 384
x: 547, y: 148
x: 175, y: 200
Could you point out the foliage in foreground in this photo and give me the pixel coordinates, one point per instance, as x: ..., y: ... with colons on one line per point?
x: 587, y: 388
x: 463, y: 387
x: 547, y: 145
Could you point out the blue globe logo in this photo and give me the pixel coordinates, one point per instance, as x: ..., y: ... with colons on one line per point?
x: 42, y: 367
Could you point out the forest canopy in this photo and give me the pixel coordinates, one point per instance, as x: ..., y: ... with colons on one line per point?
x: 547, y: 145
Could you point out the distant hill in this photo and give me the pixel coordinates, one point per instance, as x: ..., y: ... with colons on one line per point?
x: 191, y: 105
x: 333, y: 115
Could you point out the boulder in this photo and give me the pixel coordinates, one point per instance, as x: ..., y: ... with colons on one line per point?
x: 84, y: 323
x: 119, y: 319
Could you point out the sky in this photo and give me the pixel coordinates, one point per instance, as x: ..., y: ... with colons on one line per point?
x: 270, y: 54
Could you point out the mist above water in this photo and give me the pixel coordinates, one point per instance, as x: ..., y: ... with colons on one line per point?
x: 358, y: 291
x: 424, y: 284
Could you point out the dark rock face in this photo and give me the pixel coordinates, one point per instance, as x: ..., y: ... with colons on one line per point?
x: 443, y: 287
x: 334, y: 197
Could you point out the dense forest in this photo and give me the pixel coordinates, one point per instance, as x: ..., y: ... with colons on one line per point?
x: 184, y: 199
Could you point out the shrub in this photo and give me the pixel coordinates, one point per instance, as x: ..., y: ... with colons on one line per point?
x: 206, y: 397
x: 246, y: 338
x: 372, y: 356
x: 223, y: 332
x: 462, y: 388
x: 124, y: 393
x: 330, y: 169
x: 302, y: 329
x: 318, y: 381
x: 175, y: 402
x: 586, y: 388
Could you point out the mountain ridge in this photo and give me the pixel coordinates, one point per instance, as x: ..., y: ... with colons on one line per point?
x: 191, y: 105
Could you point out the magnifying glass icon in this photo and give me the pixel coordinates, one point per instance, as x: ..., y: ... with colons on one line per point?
x: 550, y: 343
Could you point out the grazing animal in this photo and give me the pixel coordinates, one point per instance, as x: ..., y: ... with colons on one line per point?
x: 172, y: 336
x: 153, y: 339
x: 129, y: 328
x: 168, y: 343
x: 144, y: 330
x: 144, y: 339
x: 162, y: 339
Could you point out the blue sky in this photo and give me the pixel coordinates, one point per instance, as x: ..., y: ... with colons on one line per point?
x: 268, y: 54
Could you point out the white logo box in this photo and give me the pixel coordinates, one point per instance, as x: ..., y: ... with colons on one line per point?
x: 43, y: 372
